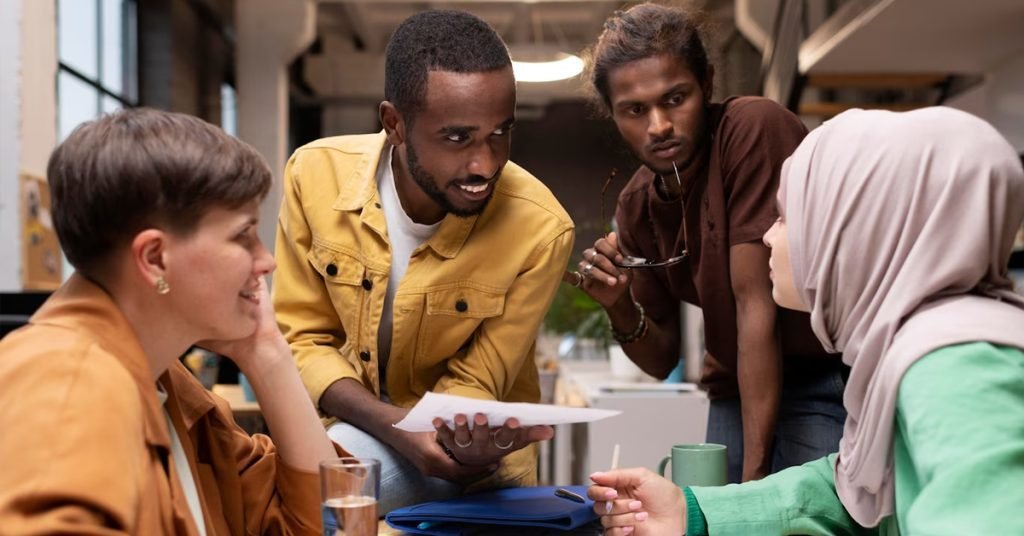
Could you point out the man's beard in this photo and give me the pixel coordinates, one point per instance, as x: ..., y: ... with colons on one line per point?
x: 695, y: 147
x: 427, y: 183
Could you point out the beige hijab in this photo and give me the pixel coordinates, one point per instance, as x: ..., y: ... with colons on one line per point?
x: 900, y: 228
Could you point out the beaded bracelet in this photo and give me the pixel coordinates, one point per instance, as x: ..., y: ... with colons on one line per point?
x: 638, y: 333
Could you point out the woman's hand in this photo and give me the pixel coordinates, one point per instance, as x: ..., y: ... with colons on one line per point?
x: 638, y: 501
x: 264, y: 347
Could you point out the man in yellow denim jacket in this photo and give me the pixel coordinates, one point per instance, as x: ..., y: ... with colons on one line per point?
x: 485, y: 243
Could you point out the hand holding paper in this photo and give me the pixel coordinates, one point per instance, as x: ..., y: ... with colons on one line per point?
x: 446, y: 407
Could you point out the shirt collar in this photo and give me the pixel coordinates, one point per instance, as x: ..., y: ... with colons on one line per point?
x: 359, y: 193
x: 83, y: 306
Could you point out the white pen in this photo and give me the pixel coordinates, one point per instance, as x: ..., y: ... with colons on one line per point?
x: 615, y: 465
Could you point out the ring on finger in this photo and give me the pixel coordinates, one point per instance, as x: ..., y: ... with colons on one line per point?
x: 460, y: 445
x: 579, y: 279
x: 587, y: 269
x: 448, y: 452
x: 494, y: 439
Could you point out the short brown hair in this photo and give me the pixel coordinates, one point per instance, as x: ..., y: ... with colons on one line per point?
x: 136, y: 168
x: 640, y: 32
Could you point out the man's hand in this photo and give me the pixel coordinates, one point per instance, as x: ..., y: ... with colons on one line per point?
x: 637, y: 501
x: 484, y: 445
x: 428, y: 456
x: 603, y: 281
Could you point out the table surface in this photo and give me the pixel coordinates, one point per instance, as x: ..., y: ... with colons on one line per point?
x: 592, y: 529
x: 236, y: 397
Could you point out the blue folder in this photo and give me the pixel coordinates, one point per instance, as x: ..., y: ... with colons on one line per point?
x: 479, y: 513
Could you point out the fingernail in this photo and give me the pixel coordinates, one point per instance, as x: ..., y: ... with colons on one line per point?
x: 608, y: 507
x: 642, y: 516
x: 611, y: 494
x: 635, y: 505
x: 627, y: 530
x: 597, y: 474
x: 611, y: 281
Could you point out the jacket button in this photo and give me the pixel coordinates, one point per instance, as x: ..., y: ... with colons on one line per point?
x: 367, y: 284
x: 332, y: 270
x: 364, y: 355
x: 461, y: 306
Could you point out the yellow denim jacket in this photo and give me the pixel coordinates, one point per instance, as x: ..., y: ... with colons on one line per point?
x: 467, y: 311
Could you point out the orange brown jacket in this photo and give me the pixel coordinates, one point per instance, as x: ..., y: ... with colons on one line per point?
x: 85, y: 449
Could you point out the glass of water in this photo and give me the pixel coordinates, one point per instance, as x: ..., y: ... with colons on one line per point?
x: 349, y: 491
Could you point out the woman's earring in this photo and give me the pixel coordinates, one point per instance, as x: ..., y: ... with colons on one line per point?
x: 161, y: 286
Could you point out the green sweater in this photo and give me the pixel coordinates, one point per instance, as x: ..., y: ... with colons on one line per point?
x: 958, y: 452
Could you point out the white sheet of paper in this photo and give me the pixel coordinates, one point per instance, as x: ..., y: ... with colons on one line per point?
x: 420, y: 418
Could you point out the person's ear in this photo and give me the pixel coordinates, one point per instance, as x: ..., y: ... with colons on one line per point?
x: 708, y: 87
x: 394, y: 124
x: 149, y: 251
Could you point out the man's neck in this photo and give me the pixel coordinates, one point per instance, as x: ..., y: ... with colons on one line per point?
x: 415, y: 202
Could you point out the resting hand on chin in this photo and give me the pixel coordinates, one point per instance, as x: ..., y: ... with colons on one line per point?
x: 264, y: 346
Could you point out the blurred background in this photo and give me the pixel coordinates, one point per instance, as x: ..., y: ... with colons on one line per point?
x: 280, y: 73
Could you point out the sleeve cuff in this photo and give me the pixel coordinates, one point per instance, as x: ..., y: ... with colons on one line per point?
x: 319, y: 372
x: 750, y: 232
x: 696, y: 523
x: 300, y: 494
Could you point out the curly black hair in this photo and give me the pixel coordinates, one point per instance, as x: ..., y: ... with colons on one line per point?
x: 437, y: 40
x: 643, y: 31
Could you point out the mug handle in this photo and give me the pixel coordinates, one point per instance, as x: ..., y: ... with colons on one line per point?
x: 663, y: 464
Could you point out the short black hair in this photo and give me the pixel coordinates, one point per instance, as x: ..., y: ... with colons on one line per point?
x: 640, y: 32
x: 137, y: 168
x: 437, y: 40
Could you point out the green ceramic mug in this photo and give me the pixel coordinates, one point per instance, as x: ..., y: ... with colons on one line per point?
x: 702, y: 464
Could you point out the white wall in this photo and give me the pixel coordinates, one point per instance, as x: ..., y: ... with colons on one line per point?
x: 10, y: 101
x: 999, y: 99
x: 28, y: 115
x: 270, y: 33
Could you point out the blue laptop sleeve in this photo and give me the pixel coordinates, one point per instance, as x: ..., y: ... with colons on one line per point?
x: 512, y: 507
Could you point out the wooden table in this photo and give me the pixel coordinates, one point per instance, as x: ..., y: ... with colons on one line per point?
x: 234, y: 395
x: 247, y: 412
x: 384, y: 530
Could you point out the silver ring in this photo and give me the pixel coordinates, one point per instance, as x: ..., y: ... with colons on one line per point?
x: 579, y: 280
x: 460, y: 445
x: 494, y: 439
x: 587, y: 269
x: 592, y: 257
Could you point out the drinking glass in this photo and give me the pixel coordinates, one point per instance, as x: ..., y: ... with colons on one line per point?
x: 349, y: 491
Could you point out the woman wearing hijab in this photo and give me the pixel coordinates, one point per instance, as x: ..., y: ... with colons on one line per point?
x: 895, y: 233
x: 102, y: 429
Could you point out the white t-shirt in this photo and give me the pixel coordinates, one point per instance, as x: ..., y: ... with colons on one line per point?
x: 182, y: 469
x: 405, y: 236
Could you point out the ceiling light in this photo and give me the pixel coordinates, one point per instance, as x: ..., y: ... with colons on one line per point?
x: 561, y: 67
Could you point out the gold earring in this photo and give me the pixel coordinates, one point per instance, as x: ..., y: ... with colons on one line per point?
x: 161, y: 286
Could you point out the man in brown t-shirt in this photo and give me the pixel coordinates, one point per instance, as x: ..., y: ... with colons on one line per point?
x: 707, y: 188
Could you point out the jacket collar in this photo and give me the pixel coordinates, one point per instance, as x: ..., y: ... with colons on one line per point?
x: 83, y: 306
x: 358, y: 192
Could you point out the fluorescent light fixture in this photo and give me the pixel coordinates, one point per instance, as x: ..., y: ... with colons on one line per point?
x: 565, y: 66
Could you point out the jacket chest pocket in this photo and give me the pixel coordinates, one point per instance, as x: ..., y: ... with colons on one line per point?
x: 451, y: 319
x: 343, y: 277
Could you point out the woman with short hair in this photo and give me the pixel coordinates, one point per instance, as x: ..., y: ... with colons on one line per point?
x: 104, y: 430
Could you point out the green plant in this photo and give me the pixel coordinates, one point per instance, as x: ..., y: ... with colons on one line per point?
x: 573, y: 311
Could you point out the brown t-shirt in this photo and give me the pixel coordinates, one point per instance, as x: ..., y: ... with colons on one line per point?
x: 731, y: 200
